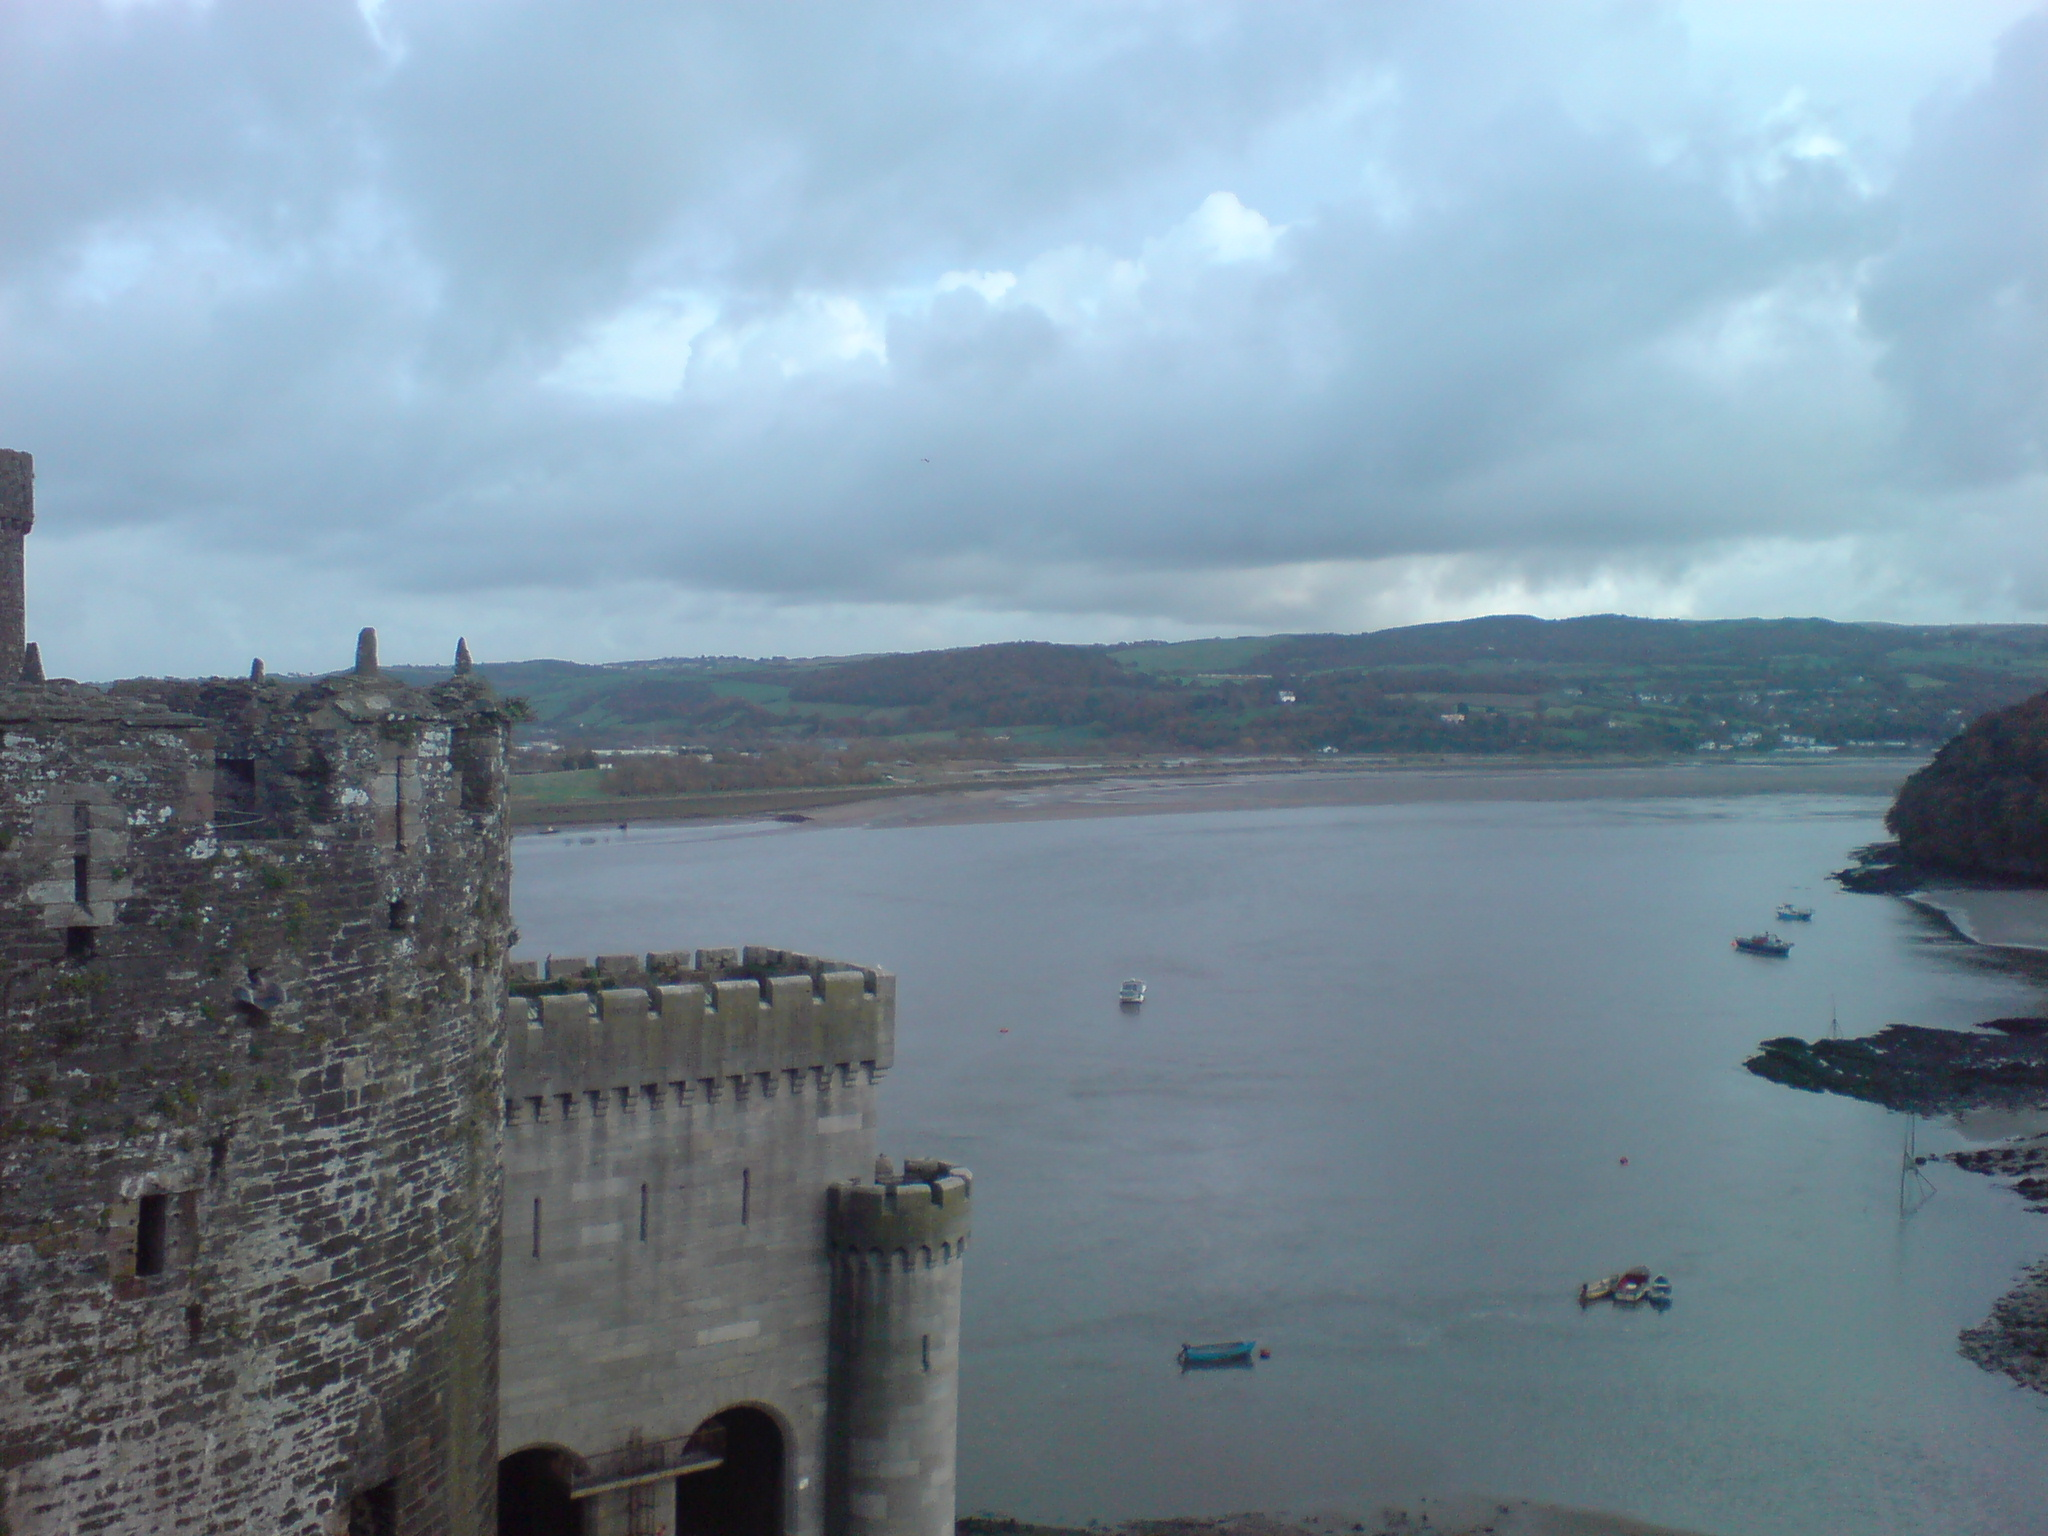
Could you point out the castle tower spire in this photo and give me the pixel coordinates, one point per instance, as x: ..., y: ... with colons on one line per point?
x: 17, y: 517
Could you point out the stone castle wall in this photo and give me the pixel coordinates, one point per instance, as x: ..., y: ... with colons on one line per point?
x: 670, y: 1137
x: 253, y: 941
x: 286, y: 1180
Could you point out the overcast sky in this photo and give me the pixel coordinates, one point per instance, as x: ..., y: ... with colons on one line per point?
x: 608, y: 331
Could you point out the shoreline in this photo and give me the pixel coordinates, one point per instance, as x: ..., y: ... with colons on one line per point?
x: 1148, y: 790
x: 1471, y: 1515
x: 1991, y: 917
x: 1953, y: 1072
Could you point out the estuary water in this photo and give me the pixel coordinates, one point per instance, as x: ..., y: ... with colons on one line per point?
x: 1375, y: 1115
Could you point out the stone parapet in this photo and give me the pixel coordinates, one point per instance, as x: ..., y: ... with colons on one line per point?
x: 930, y: 1209
x: 685, y: 1018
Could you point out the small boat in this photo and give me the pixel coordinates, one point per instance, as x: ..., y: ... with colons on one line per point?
x: 1208, y: 1356
x: 1766, y: 943
x: 1633, y: 1287
x: 1660, y: 1291
x: 1598, y: 1290
x: 1131, y: 993
x: 1787, y: 913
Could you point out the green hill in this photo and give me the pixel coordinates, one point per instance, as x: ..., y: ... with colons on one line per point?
x: 1510, y: 683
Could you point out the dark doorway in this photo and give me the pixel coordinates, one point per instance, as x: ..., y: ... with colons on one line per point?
x: 533, y: 1495
x: 743, y: 1497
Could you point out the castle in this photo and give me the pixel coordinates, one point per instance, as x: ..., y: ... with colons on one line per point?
x: 318, y: 1213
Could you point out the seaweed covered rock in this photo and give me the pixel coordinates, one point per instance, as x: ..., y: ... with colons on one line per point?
x: 1981, y: 807
x: 1917, y: 1070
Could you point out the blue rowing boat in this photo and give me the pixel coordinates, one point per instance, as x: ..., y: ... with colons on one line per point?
x: 1198, y: 1356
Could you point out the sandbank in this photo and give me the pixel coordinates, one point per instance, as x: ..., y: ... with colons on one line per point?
x: 1995, y: 917
x: 1141, y: 794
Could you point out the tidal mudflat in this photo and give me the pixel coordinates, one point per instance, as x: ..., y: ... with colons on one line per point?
x: 1373, y: 1114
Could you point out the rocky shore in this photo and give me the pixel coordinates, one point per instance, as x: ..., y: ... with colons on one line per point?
x: 1944, y: 1071
x: 1919, y: 1071
x: 1972, y: 830
x: 2014, y: 1339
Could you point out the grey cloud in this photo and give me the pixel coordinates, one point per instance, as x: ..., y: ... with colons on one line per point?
x: 1962, y: 299
x: 1541, y: 302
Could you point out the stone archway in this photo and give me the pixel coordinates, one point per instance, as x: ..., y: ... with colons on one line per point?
x: 533, y: 1494
x: 743, y: 1495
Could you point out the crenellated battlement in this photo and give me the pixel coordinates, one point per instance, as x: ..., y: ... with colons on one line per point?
x: 916, y: 1221
x: 681, y: 1022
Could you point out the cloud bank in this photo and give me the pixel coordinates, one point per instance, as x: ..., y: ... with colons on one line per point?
x: 631, y: 330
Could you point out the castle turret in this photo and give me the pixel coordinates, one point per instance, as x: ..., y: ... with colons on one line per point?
x: 17, y: 517
x: 897, y: 1250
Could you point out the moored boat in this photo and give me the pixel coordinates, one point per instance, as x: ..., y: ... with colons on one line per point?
x: 1633, y: 1286
x: 1788, y: 913
x: 1660, y: 1291
x: 1131, y: 993
x: 1598, y: 1290
x: 1197, y: 1356
x: 1765, y: 943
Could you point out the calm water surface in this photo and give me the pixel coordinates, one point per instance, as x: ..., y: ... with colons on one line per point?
x: 1374, y: 1115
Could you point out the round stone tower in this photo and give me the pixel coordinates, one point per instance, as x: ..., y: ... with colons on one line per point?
x: 898, y: 1246
x: 252, y: 942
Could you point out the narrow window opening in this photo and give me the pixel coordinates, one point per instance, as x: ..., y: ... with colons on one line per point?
x: 400, y: 916
x: 746, y: 1194
x: 398, y: 804
x: 152, y: 1234
x: 374, y: 1511
x: 81, y: 853
x: 235, y: 812
x: 217, y: 1156
x: 195, y: 1322
x: 536, y: 1226
x: 643, y: 1213
x: 81, y: 942
x: 924, y: 1348
x: 475, y: 753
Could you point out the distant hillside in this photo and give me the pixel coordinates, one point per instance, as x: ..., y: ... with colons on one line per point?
x: 1507, y: 683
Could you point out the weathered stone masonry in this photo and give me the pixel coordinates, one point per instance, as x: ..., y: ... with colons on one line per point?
x: 251, y: 958
x: 259, y: 1114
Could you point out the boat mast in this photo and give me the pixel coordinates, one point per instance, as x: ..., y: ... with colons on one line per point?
x: 1915, y: 1188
